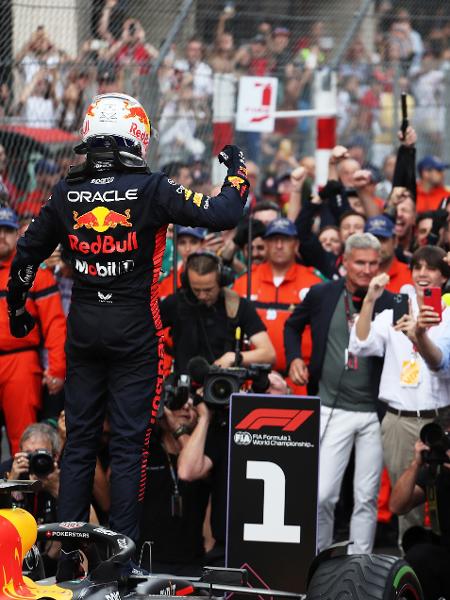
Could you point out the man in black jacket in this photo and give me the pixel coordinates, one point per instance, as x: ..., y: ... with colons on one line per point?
x: 348, y: 389
x: 110, y: 215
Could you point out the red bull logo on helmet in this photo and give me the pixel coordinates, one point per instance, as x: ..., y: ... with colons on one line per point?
x: 101, y: 219
x: 138, y: 114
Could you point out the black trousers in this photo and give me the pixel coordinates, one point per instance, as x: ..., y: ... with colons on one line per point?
x: 114, y: 367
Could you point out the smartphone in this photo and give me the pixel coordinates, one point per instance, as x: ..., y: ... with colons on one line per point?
x: 432, y: 297
x: 401, y: 307
x: 405, y: 120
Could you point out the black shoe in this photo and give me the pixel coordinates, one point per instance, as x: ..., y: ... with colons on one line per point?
x: 69, y: 566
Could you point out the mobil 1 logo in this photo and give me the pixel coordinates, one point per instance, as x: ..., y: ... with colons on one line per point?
x: 272, y: 488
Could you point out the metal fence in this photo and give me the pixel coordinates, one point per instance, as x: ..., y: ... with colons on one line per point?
x: 56, y: 54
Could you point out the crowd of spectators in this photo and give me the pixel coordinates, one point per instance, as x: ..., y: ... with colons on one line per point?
x: 50, y: 89
x: 298, y: 236
x: 47, y: 88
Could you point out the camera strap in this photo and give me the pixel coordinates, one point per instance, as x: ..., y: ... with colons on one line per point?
x: 433, y: 507
x: 176, y: 500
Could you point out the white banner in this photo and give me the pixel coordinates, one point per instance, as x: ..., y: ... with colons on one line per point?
x: 257, y: 101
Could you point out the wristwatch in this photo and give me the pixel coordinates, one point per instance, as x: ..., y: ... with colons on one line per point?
x: 181, y: 430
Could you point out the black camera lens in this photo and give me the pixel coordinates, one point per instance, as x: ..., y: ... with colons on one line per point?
x: 218, y: 389
x: 432, y: 435
x: 437, y: 441
x: 41, y: 463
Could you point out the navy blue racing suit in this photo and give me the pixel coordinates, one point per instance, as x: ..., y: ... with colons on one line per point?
x: 113, y: 227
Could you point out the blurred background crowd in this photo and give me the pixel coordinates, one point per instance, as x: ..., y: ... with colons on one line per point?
x: 378, y: 50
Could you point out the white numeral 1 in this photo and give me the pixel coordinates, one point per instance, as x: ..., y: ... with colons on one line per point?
x: 273, y: 527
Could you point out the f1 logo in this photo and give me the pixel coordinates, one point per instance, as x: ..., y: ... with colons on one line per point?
x: 287, y: 419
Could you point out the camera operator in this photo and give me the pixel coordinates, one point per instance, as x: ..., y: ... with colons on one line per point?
x: 428, y: 478
x: 204, y: 453
x: 174, y: 510
x: 204, y: 316
x: 37, y: 459
x: 38, y: 455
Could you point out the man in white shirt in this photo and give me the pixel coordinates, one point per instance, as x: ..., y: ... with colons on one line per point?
x: 413, y: 396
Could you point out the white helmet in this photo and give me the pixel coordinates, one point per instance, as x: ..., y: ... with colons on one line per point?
x: 119, y: 115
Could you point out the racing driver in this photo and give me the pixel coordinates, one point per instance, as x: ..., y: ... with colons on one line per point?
x: 110, y: 215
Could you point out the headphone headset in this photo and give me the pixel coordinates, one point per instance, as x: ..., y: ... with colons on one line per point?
x: 225, y: 274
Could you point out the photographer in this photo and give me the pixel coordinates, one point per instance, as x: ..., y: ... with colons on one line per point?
x: 204, y: 455
x: 428, y: 478
x: 37, y: 458
x: 204, y: 316
x: 174, y: 510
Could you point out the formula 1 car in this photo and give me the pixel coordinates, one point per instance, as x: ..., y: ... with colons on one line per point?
x: 333, y: 574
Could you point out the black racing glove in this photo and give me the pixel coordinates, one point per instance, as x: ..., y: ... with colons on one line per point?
x: 20, y: 281
x: 20, y: 321
x: 233, y: 158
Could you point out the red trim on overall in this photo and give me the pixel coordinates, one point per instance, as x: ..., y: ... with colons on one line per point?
x: 160, y: 245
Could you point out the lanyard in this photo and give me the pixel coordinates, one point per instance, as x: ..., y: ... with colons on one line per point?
x: 173, y: 475
x: 348, y: 314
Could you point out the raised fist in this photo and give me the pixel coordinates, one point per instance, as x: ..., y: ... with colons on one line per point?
x: 233, y: 158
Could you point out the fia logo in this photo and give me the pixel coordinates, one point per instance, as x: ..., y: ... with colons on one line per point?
x: 242, y: 438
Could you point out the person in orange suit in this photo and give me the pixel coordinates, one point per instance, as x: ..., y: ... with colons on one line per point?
x: 431, y: 189
x: 21, y: 373
x: 382, y: 227
x: 189, y: 240
x: 278, y: 285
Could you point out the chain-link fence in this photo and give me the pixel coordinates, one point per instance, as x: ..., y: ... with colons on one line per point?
x: 56, y: 54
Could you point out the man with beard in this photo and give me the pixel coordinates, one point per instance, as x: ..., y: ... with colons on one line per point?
x: 405, y: 219
x: 258, y: 247
x: 348, y: 389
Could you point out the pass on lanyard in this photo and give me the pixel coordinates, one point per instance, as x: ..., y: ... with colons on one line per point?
x: 410, y: 371
x: 350, y: 359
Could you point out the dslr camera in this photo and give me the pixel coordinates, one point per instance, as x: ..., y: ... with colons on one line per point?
x: 219, y: 384
x: 41, y: 463
x: 438, y: 442
x: 176, y: 391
